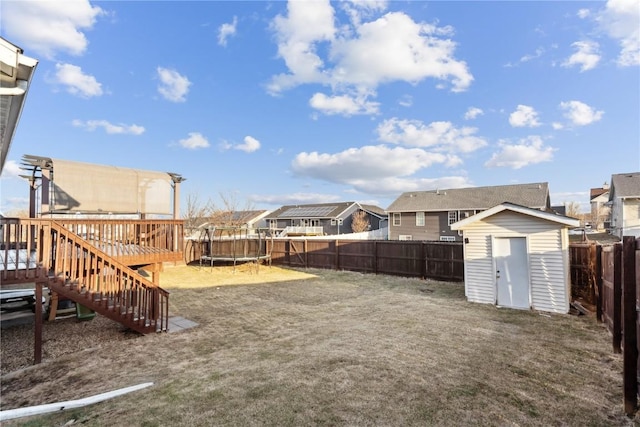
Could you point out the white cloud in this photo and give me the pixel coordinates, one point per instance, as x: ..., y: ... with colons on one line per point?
x: 395, y: 48
x: 579, y: 113
x: 249, y: 145
x: 173, y: 86
x: 527, y: 152
x: 586, y: 56
x: 620, y: 20
x: 195, y: 141
x: 365, y: 163
x: 375, y: 169
x: 472, y: 113
x: 48, y: 27
x: 357, y: 10
x: 363, y: 55
x: 227, y: 30
x: 406, y: 101
x: 439, y: 136
x: 524, y: 116
x: 343, y: 104
x: 110, y: 128
x: 294, y: 198
x: 538, y: 53
x: 76, y: 82
x: 306, y: 25
x: 583, y: 13
x: 392, y: 186
x: 11, y: 169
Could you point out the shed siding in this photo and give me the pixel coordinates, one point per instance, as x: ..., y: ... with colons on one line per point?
x: 547, y: 260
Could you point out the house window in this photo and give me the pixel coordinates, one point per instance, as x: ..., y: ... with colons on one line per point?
x: 396, y: 219
x: 419, y: 219
x: 453, y: 217
x: 273, y: 224
x: 447, y: 238
x: 333, y: 221
x: 405, y: 237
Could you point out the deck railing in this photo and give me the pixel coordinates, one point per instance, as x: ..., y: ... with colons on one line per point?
x: 134, y: 242
x: 21, y: 258
x: 94, y: 269
x: 104, y: 283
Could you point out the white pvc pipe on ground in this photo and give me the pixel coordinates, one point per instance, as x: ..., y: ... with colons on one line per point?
x: 70, y: 404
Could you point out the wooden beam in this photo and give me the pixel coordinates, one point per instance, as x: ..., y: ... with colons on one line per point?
x: 37, y: 340
x: 630, y: 318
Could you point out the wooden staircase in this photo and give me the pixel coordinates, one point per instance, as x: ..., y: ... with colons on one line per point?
x: 87, y: 275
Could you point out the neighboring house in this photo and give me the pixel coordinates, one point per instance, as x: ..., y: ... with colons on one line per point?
x: 16, y: 73
x: 600, y: 211
x: 517, y: 257
x: 323, y: 218
x: 428, y: 215
x: 249, y: 219
x: 624, y: 200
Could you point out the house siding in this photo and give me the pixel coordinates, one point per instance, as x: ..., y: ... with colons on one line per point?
x: 547, y: 254
x: 630, y: 217
x: 435, y: 225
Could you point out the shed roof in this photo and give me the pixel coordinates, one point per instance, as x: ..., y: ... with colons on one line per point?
x: 534, y: 195
x: 625, y: 185
x: 536, y: 213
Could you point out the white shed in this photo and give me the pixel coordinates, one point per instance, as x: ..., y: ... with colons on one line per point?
x: 517, y: 257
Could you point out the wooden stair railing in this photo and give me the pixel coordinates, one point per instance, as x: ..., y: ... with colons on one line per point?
x: 89, y: 276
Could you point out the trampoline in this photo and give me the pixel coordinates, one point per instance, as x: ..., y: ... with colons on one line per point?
x: 231, y: 245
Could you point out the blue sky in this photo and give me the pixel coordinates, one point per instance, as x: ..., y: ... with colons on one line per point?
x: 273, y: 103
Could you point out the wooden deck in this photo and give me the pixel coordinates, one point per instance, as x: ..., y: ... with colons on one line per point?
x: 27, y: 255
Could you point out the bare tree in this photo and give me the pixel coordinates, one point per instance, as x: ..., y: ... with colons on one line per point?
x: 572, y: 209
x: 230, y: 213
x: 599, y: 215
x: 359, y: 222
x: 196, y: 212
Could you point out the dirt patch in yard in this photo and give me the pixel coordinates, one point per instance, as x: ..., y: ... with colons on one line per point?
x: 334, y: 348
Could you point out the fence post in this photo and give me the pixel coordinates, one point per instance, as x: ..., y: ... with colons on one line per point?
x: 617, y: 298
x: 375, y: 257
x: 423, y: 255
x: 598, y: 284
x: 630, y: 355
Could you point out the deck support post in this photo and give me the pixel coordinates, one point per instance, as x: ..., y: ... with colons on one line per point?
x: 37, y: 341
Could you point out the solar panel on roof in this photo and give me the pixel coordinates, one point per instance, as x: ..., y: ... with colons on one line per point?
x: 308, y: 211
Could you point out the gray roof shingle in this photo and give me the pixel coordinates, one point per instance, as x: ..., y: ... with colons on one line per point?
x: 533, y: 195
x: 625, y: 185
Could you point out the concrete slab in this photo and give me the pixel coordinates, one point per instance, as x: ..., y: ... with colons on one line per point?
x: 178, y: 324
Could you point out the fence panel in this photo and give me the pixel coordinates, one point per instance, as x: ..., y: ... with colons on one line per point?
x: 400, y: 258
x: 357, y: 256
x: 436, y: 260
x: 612, y: 293
x: 583, y: 264
x: 444, y: 261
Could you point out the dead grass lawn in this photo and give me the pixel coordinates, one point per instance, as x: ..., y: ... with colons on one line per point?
x: 315, y: 347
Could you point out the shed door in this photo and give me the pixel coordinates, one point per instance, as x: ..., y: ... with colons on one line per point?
x: 512, y: 271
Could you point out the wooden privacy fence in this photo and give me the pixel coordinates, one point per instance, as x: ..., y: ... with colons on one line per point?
x: 434, y: 260
x: 613, y: 271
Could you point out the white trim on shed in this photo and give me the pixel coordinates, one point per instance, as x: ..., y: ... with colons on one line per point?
x: 547, y: 246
